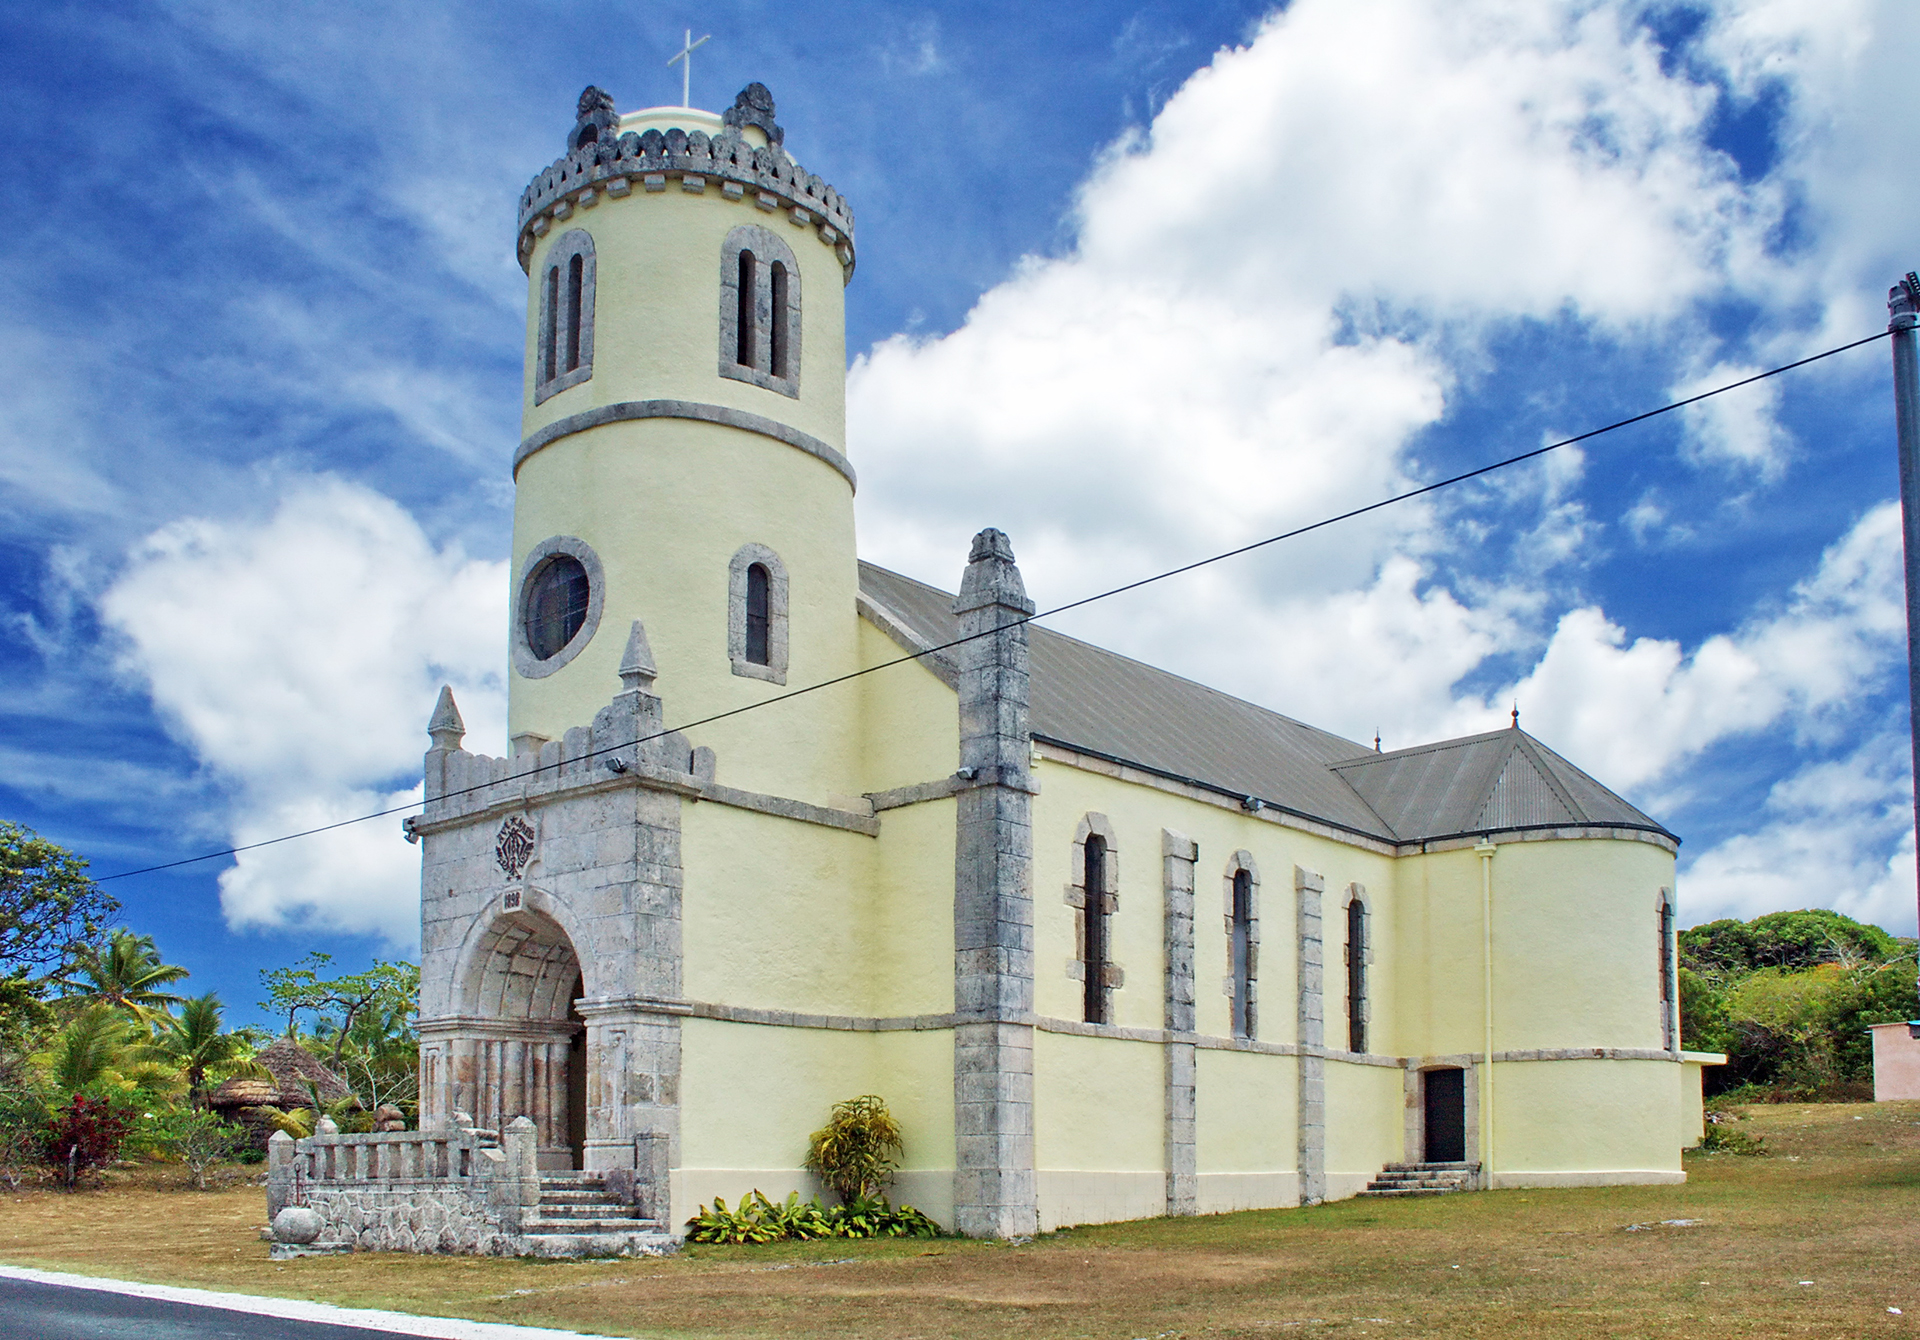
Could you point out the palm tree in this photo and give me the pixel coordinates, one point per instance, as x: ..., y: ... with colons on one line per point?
x: 197, y: 1044
x: 100, y: 1046
x: 128, y: 976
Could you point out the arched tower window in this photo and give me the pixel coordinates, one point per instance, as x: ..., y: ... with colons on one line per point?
x: 757, y: 614
x: 1669, y: 987
x: 1243, y: 944
x: 1093, y: 929
x: 777, y: 322
x: 1093, y: 891
x: 564, y: 356
x: 760, y: 310
x: 747, y: 280
x: 1357, y: 955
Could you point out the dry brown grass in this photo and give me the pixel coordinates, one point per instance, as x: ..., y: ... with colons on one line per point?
x: 1837, y: 1206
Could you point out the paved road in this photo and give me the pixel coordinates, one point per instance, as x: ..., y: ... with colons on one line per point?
x: 33, y: 1311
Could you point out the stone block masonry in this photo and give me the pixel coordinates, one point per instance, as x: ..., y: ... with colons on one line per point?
x: 1179, y: 853
x: 995, y: 1193
x: 1310, y: 889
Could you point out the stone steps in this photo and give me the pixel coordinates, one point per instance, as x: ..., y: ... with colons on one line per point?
x: 577, y: 1216
x: 1398, y: 1180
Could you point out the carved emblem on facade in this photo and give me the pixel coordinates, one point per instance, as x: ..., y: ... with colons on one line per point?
x: 513, y: 845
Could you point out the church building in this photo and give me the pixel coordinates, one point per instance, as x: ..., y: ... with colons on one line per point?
x: 1110, y: 944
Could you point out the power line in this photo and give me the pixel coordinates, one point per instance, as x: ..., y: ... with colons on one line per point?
x: 1221, y: 557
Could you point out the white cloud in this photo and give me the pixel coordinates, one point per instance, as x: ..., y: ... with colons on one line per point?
x: 298, y: 655
x: 1837, y: 834
x: 1739, y: 427
x: 1630, y: 711
x: 1271, y: 293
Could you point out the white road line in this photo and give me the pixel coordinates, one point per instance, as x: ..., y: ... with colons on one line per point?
x: 294, y: 1309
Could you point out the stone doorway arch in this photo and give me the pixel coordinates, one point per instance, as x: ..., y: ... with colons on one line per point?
x: 517, y: 1040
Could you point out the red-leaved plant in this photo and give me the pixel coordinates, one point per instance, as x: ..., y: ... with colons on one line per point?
x: 85, y: 1134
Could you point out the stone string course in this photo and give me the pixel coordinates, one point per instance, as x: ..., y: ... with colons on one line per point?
x: 738, y: 170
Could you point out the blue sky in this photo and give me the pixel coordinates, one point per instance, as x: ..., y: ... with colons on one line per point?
x: 1135, y: 284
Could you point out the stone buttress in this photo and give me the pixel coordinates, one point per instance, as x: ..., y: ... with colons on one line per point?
x: 995, y: 1192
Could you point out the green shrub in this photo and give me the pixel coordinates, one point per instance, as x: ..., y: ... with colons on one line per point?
x: 854, y: 1152
x: 1729, y: 1140
x: 758, y: 1220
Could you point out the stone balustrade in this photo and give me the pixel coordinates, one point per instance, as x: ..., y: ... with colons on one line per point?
x: 457, y: 1189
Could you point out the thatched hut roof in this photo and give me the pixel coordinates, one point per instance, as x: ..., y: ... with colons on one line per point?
x: 294, y: 1076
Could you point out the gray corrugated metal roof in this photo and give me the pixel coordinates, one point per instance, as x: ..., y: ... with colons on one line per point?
x: 1103, y: 703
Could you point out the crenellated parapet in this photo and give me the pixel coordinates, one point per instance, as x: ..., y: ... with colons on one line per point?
x: 602, y: 166
x: 625, y: 747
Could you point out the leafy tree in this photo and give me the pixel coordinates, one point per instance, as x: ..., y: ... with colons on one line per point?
x: 101, y: 1048
x: 50, y: 912
x: 388, y: 990
x: 128, y: 974
x: 198, y: 1139
x: 196, y: 1042
x: 1801, y: 939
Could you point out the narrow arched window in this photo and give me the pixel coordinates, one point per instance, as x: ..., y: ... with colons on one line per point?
x: 759, y: 618
x: 1356, y: 976
x: 550, y: 333
x: 757, y: 614
x: 576, y: 281
x: 1669, y: 993
x: 1243, y: 951
x: 1093, y: 948
x: 564, y: 346
x: 748, y: 283
x: 777, y: 322
x: 760, y: 303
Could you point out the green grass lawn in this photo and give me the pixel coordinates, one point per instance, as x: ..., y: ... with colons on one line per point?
x: 1817, y: 1240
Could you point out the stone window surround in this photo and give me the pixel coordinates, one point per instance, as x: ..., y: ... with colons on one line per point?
x: 767, y: 247
x: 525, y: 663
x: 1667, y: 919
x: 1242, y: 860
x: 573, y: 242
x: 775, y: 670
x: 1114, y: 977
x: 1357, y: 893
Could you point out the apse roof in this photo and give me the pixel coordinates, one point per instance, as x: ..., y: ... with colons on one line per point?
x: 1099, y: 702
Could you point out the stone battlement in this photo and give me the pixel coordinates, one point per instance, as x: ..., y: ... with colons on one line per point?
x: 626, y: 746
x: 725, y: 163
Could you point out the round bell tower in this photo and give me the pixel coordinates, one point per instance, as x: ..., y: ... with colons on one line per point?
x: 682, y: 456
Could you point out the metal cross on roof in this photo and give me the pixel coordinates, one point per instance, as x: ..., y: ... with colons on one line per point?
x: 685, y: 57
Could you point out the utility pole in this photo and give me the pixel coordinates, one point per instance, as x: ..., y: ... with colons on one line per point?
x: 1903, y: 313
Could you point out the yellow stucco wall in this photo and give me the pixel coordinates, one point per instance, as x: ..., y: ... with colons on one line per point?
x: 1138, y: 815
x: 1574, y: 1122
x: 657, y: 307
x: 1366, y: 1121
x: 752, y: 1094
x: 1575, y: 947
x: 665, y: 503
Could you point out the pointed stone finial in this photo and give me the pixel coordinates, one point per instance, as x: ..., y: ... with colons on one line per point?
x: 754, y: 107
x: 594, y: 120
x: 445, y: 726
x: 637, y: 670
x: 992, y: 578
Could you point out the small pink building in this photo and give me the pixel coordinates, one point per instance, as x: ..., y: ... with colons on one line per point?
x: 1896, y: 1063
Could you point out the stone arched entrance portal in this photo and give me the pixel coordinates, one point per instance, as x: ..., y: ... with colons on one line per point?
x: 517, y: 1041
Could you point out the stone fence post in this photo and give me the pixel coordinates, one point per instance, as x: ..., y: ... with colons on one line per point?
x: 279, y: 1173
x: 520, y: 1143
